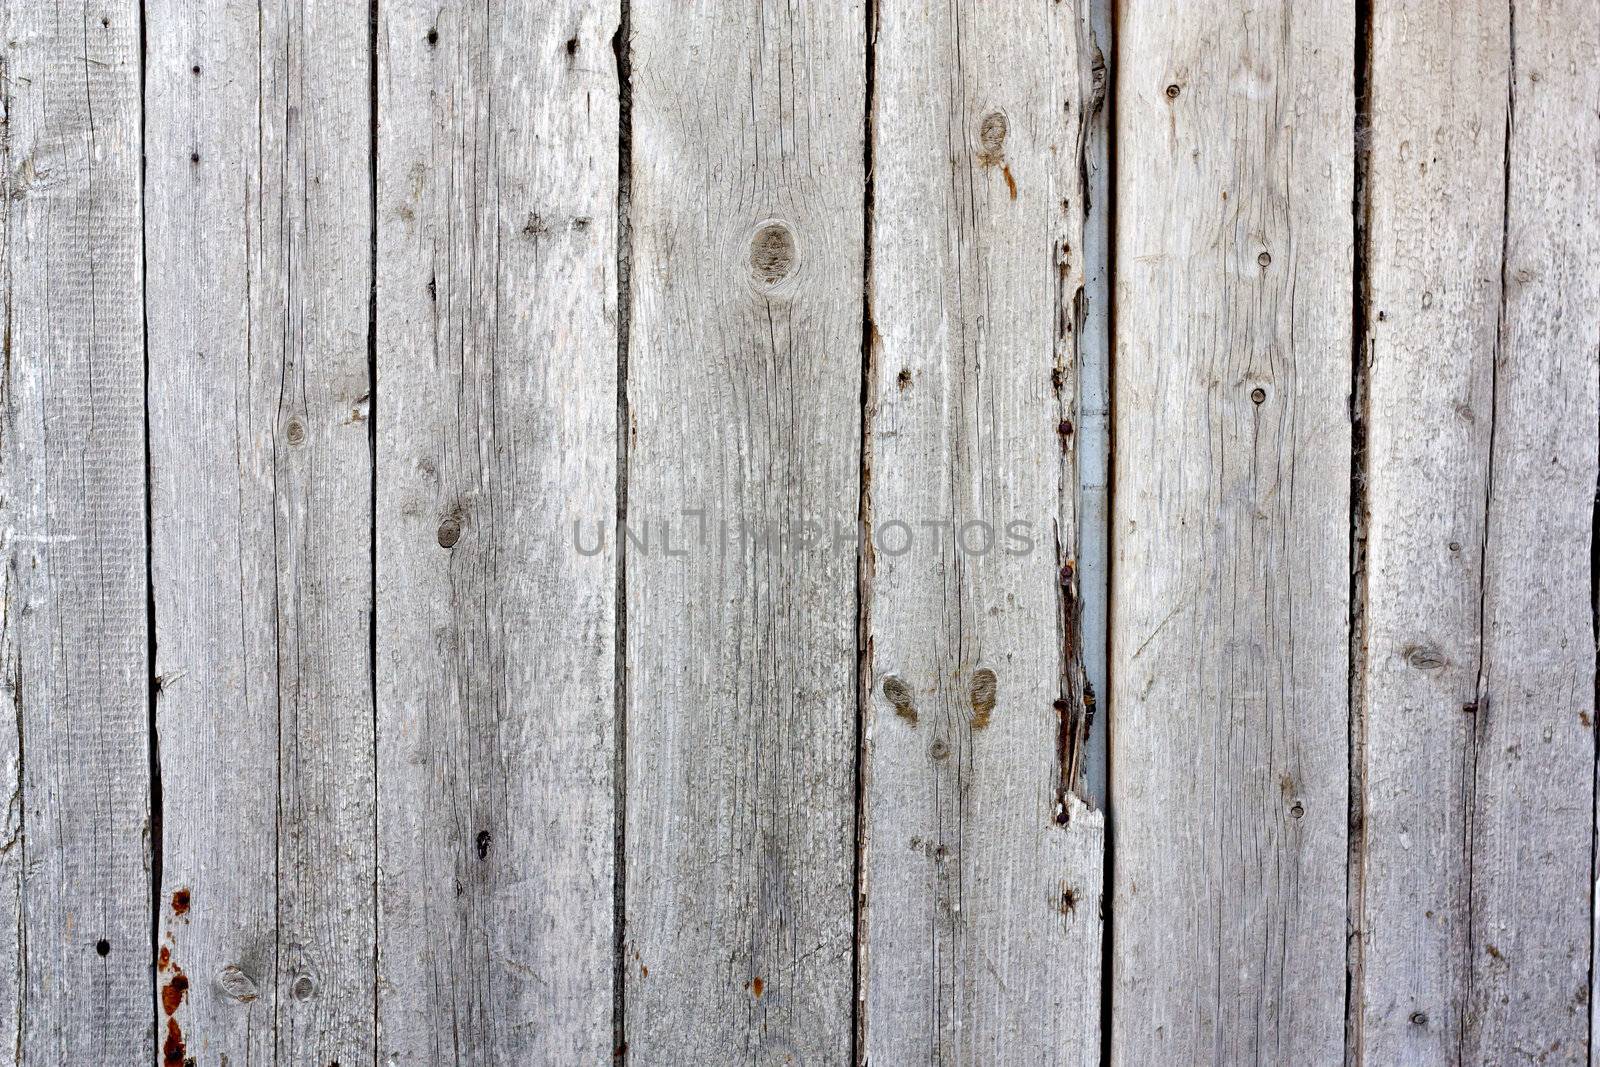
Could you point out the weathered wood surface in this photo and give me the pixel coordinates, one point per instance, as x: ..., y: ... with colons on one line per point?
x: 74, y: 871
x: 259, y: 248
x: 744, y: 388
x: 497, y: 434
x: 981, y: 919
x: 1482, y: 339
x: 1230, y: 530
x: 504, y: 391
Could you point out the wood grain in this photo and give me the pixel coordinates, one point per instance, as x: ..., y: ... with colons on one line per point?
x: 74, y: 639
x: 1231, y: 532
x: 981, y: 923
x: 744, y: 385
x: 259, y: 264
x: 1479, y: 667
x: 497, y: 431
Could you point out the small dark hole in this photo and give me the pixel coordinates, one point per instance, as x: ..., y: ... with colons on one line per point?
x: 433, y: 38
x: 1258, y: 395
x: 572, y: 46
x: 194, y: 157
x: 1172, y: 92
x: 196, y: 68
x: 103, y: 947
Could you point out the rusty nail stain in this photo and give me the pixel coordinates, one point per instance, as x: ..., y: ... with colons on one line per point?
x: 1011, y: 183
x: 904, y: 378
x: 1173, y: 91
x: 756, y: 987
x: 180, y: 902
x: 172, y: 1049
x: 173, y: 992
x: 1069, y: 900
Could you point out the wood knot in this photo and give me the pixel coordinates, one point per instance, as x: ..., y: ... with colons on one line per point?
x: 236, y: 984
x: 450, y: 531
x: 772, y: 253
x: 1423, y: 658
x: 898, y: 693
x: 992, y: 135
x: 983, y: 693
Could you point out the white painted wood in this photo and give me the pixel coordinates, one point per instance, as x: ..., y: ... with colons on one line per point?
x: 1231, y: 532
x: 1479, y: 665
x: 259, y: 244
x: 497, y: 430
x: 981, y: 923
x: 744, y: 385
x: 74, y: 637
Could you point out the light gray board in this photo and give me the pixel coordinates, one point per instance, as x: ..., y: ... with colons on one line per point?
x: 981, y: 922
x: 497, y: 432
x: 744, y: 386
x: 74, y: 641
x: 1231, y: 526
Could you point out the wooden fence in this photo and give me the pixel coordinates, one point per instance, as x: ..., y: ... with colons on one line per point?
x: 582, y: 531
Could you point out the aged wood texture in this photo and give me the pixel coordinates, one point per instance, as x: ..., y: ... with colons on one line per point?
x: 497, y: 431
x: 744, y: 383
x: 981, y: 922
x: 74, y: 641
x: 259, y: 250
x: 1231, y: 532
x: 1483, y: 332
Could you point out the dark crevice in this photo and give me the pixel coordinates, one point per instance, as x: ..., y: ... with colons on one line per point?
x: 1110, y: 58
x: 1360, y: 359
x: 1482, y: 705
x: 621, y: 47
x: 1594, y: 781
x: 864, y: 559
x: 153, y: 692
x: 372, y: 454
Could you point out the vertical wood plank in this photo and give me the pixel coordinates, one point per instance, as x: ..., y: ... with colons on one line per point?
x: 1231, y: 532
x: 218, y: 363
x: 260, y: 242
x: 497, y: 442
x: 74, y: 641
x: 744, y: 385
x: 981, y: 924
x: 1479, y: 666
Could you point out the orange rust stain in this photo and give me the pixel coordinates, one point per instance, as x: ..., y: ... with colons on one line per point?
x: 180, y: 902
x: 172, y: 1048
x: 165, y: 959
x: 1011, y: 183
x: 756, y: 987
x: 173, y: 992
x: 644, y: 972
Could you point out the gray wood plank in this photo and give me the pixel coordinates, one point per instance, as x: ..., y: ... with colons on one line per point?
x: 74, y: 639
x: 1479, y: 666
x: 744, y: 385
x: 497, y: 432
x: 260, y: 245
x: 983, y: 870
x: 218, y: 362
x: 1231, y: 532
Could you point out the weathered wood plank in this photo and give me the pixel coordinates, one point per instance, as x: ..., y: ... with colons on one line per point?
x: 1231, y: 532
x: 744, y: 384
x: 497, y: 434
x: 981, y: 923
x: 260, y: 243
x: 218, y: 360
x: 74, y: 641
x: 1479, y: 667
